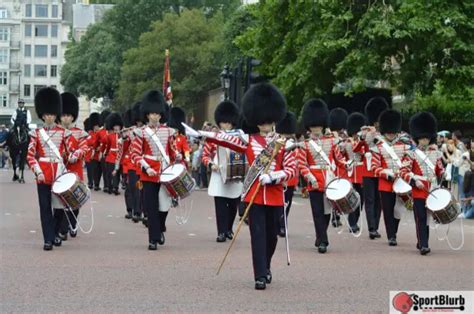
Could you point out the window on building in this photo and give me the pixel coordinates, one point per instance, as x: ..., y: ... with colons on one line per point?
x: 26, y: 90
x: 4, y: 34
x: 27, y: 70
x: 54, y: 30
x: 41, y: 10
x: 54, y: 71
x: 28, y: 10
x: 4, y: 100
x: 27, y: 30
x: 38, y: 87
x: 3, y: 55
x: 41, y: 70
x: 41, y: 30
x: 27, y: 51
x: 54, y: 10
x: 3, y: 13
x: 3, y: 78
x: 41, y: 51
x: 54, y: 51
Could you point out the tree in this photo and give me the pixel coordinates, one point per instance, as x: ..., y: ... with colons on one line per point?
x: 195, y: 44
x: 234, y: 27
x: 311, y: 48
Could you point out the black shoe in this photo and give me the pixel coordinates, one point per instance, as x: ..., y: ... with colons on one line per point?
x: 392, y: 242
x: 221, y: 237
x: 261, y: 283
x: 322, y: 248
x: 128, y: 215
x: 116, y: 192
x: 418, y: 246
x: 354, y: 229
x: 145, y: 221
x: 152, y: 246
x: 136, y: 218
x: 48, y: 246
x: 425, y: 250
x: 73, y: 233
x: 316, y: 243
x: 229, y: 235
x: 269, y: 277
x: 372, y: 235
x: 163, y: 228
x: 96, y: 188
x: 57, y: 241
x: 63, y: 237
x: 161, y: 241
x: 90, y: 186
x: 15, y: 177
x: 282, y: 232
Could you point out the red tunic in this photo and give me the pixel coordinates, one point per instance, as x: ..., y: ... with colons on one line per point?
x: 111, y: 147
x: 90, y: 146
x: 79, y: 138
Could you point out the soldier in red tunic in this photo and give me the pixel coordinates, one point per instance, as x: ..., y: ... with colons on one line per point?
x: 48, y: 145
x: 114, y: 125
x: 94, y: 146
x: 88, y: 153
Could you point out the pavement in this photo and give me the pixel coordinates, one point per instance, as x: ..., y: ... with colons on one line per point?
x: 111, y: 270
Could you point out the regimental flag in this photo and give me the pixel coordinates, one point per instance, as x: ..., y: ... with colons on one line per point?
x: 167, y: 80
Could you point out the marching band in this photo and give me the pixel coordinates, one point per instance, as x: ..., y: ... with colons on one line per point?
x: 348, y: 163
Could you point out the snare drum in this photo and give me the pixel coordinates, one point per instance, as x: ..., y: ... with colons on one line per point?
x: 233, y: 166
x: 177, y: 181
x: 443, y: 206
x: 342, y: 196
x: 403, y: 191
x: 71, y: 191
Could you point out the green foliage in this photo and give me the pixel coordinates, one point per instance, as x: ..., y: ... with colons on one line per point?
x: 195, y: 42
x: 235, y: 26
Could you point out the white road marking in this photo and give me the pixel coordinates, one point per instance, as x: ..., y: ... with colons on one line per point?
x: 210, y: 218
x: 191, y: 235
x: 111, y: 232
x: 32, y: 231
x: 8, y: 214
x: 109, y: 215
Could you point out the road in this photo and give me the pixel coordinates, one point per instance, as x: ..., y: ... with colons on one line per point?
x: 111, y: 270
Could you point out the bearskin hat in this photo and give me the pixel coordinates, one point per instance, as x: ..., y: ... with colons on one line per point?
x: 87, y: 125
x: 127, y: 118
x: 374, y: 107
x: 315, y: 113
x: 136, y: 113
x: 94, y: 119
x: 248, y: 129
x: 112, y: 120
x: 177, y: 116
x: 263, y: 103
x: 227, y: 111
x: 338, y: 119
x: 165, y: 117
x: 287, y: 125
x: 70, y: 105
x: 355, y: 121
x: 423, y: 125
x: 390, y: 121
x: 48, y: 100
x: 153, y: 102
x: 103, y: 116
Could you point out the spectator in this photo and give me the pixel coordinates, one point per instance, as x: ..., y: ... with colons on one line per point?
x: 468, y: 184
x: 3, y: 146
x: 451, y: 161
x: 456, y: 137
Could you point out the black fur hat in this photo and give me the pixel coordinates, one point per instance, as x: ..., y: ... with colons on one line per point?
x: 355, y: 121
x: 127, y: 118
x: 177, y: 115
x: 423, y: 125
x: 94, y: 119
x: 87, y: 125
x: 48, y: 100
x: 70, y: 105
x: 338, y: 119
x: 165, y: 117
x: 315, y: 113
x: 103, y: 116
x: 112, y: 120
x: 227, y: 111
x: 153, y: 102
x: 263, y: 103
x: 287, y: 125
x: 374, y: 107
x: 390, y: 121
x: 248, y: 129
x: 136, y: 113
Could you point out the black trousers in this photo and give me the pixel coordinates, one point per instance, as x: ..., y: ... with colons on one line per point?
x: 103, y: 166
x: 50, y: 220
x: 112, y: 181
x: 203, y: 174
x: 90, y: 174
x: 388, y: 204
x: 290, y: 190
x: 263, y: 223
x: 151, y: 206
x: 372, y: 202
x: 135, y: 192
x: 421, y: 215
x: 321, y: 221
x: 128, y: 197
x: 226, y: 210
x: 97, y: 172
x: 354, y: 216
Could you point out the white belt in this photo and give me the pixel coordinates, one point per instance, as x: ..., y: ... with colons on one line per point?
x: 114, y: 150
x: 49, y: 159
x: 151, y: 157
x: 319, y: 167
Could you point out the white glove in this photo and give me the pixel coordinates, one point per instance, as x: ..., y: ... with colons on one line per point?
x: 178, y: 157
x: 265, y: 179
x: 151, y: 172
x: 72, y: 159
x: 389, y: 173
x: 419, y: 184
x: 312, y: 181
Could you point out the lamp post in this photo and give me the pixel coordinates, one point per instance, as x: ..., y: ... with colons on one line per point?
x: 225, y: 81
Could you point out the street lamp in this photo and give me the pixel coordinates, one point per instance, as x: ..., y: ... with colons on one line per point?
x: 225, y: 80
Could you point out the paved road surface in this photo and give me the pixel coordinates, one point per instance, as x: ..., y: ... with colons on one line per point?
x: 111, y: 270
